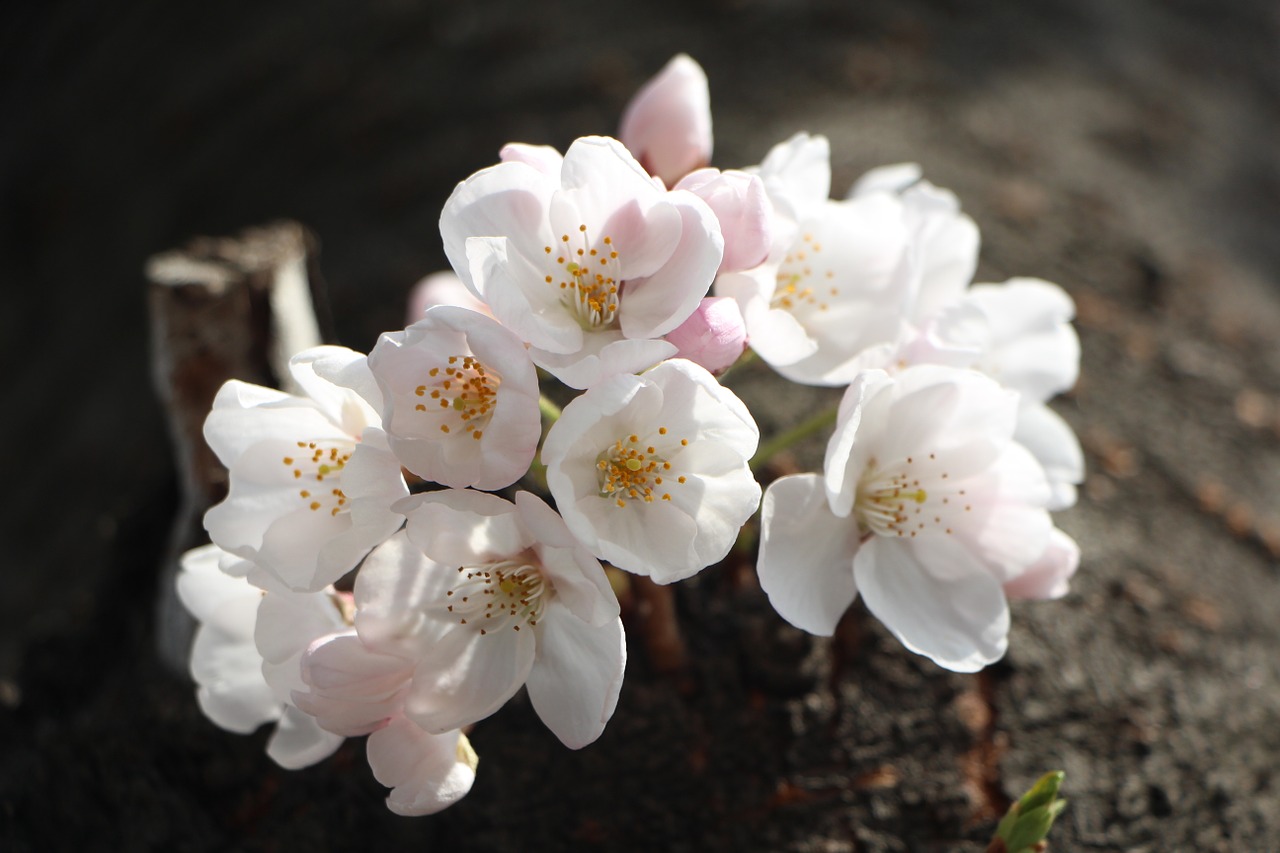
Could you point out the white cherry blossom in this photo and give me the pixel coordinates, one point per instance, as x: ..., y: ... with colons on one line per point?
x: 459, y: 399
x: 312, y: 479
x: 477, y: 597
x: 836, y: 281
x: 238, y: 689
x: 926, y: 509
x: 650, y: 471
x: 589, y: 264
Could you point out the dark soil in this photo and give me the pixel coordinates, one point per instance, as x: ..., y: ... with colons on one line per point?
x: 1124, y: 150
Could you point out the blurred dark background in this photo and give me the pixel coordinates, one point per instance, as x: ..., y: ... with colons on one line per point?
x: 1127, y: 151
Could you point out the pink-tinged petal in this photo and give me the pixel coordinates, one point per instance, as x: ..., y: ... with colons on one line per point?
x: 508, y: 200
x: 427, y: 772
x: 461, y: 399
x: 396, y: 585
x: 441, y: 288
x: 714, y: 336
x: 467, y: 676
x: 806, y: 555
x: 578, y: 578
x: 577, y: 675
x: 656, y: 304
x: 742, y: 207
x: 288, y: 623
x: 351, y: 689
x: 603, y: 355
x: 1048, y: 577
x: 890, y: 179
x: 1012, y: 527
x: 604, y: 187
x: 461, y: 527
x: 1053, y: 443
x: 667, y: 125
x: 960, y: 622
x: 298, y: 741
x: 544, y: 158
x: 519, y: 297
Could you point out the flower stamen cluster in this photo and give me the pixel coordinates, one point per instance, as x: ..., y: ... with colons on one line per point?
x: 513, y: 591
x: 629, y: 472
x: 591, y: 293
x: 474, y: 391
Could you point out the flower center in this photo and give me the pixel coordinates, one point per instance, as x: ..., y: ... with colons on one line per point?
x: 631, y: 470
x: 892, y: 501
x: 797, y: 287
x: 463, y: 394
x: 589, y: 276
x: 318, y: 467
x: 493, y: 596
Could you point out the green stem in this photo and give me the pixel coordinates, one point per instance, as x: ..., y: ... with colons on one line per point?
x: 549, y: 410
x: 797, y: 433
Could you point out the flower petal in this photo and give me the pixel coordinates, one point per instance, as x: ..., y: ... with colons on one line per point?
x: 577, y: 675
x: 467, y: 676
x: 806, y: 555
x: 960, y: 622
x: 298, y: 741
x: 426, y: 772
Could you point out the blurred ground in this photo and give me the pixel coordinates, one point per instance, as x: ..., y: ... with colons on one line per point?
x: 1126, y: 151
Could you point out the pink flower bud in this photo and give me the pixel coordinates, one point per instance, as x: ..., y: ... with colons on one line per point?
x: 667, y: 125
x: 714, y: 336
x: 442, y: 288
x: 741, y: 204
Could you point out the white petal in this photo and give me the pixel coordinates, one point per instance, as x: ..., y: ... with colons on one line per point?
x: 579, y: 580
x: 519, y: 296
x: 298, y: 741
x: 228, y: 670
x: 1055, y: 446
x: 396, y: 586
x: 1048, y: 577
x: 797, y: 175
x: 806, y: 555
x: 508, y: 200
x: 461, y: 527
x: 577, y: 675
x: 656, y: 304
x: 338, y: 380
x: 894, y: 179
x: 960, y: 622
x: 426, y: 772
x: 467, y: 676
x: 603, y: 355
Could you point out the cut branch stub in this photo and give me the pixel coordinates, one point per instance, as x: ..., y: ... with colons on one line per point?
x: 221, y: 308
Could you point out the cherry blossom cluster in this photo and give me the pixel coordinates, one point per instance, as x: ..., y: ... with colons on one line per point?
x: 413, y: 535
